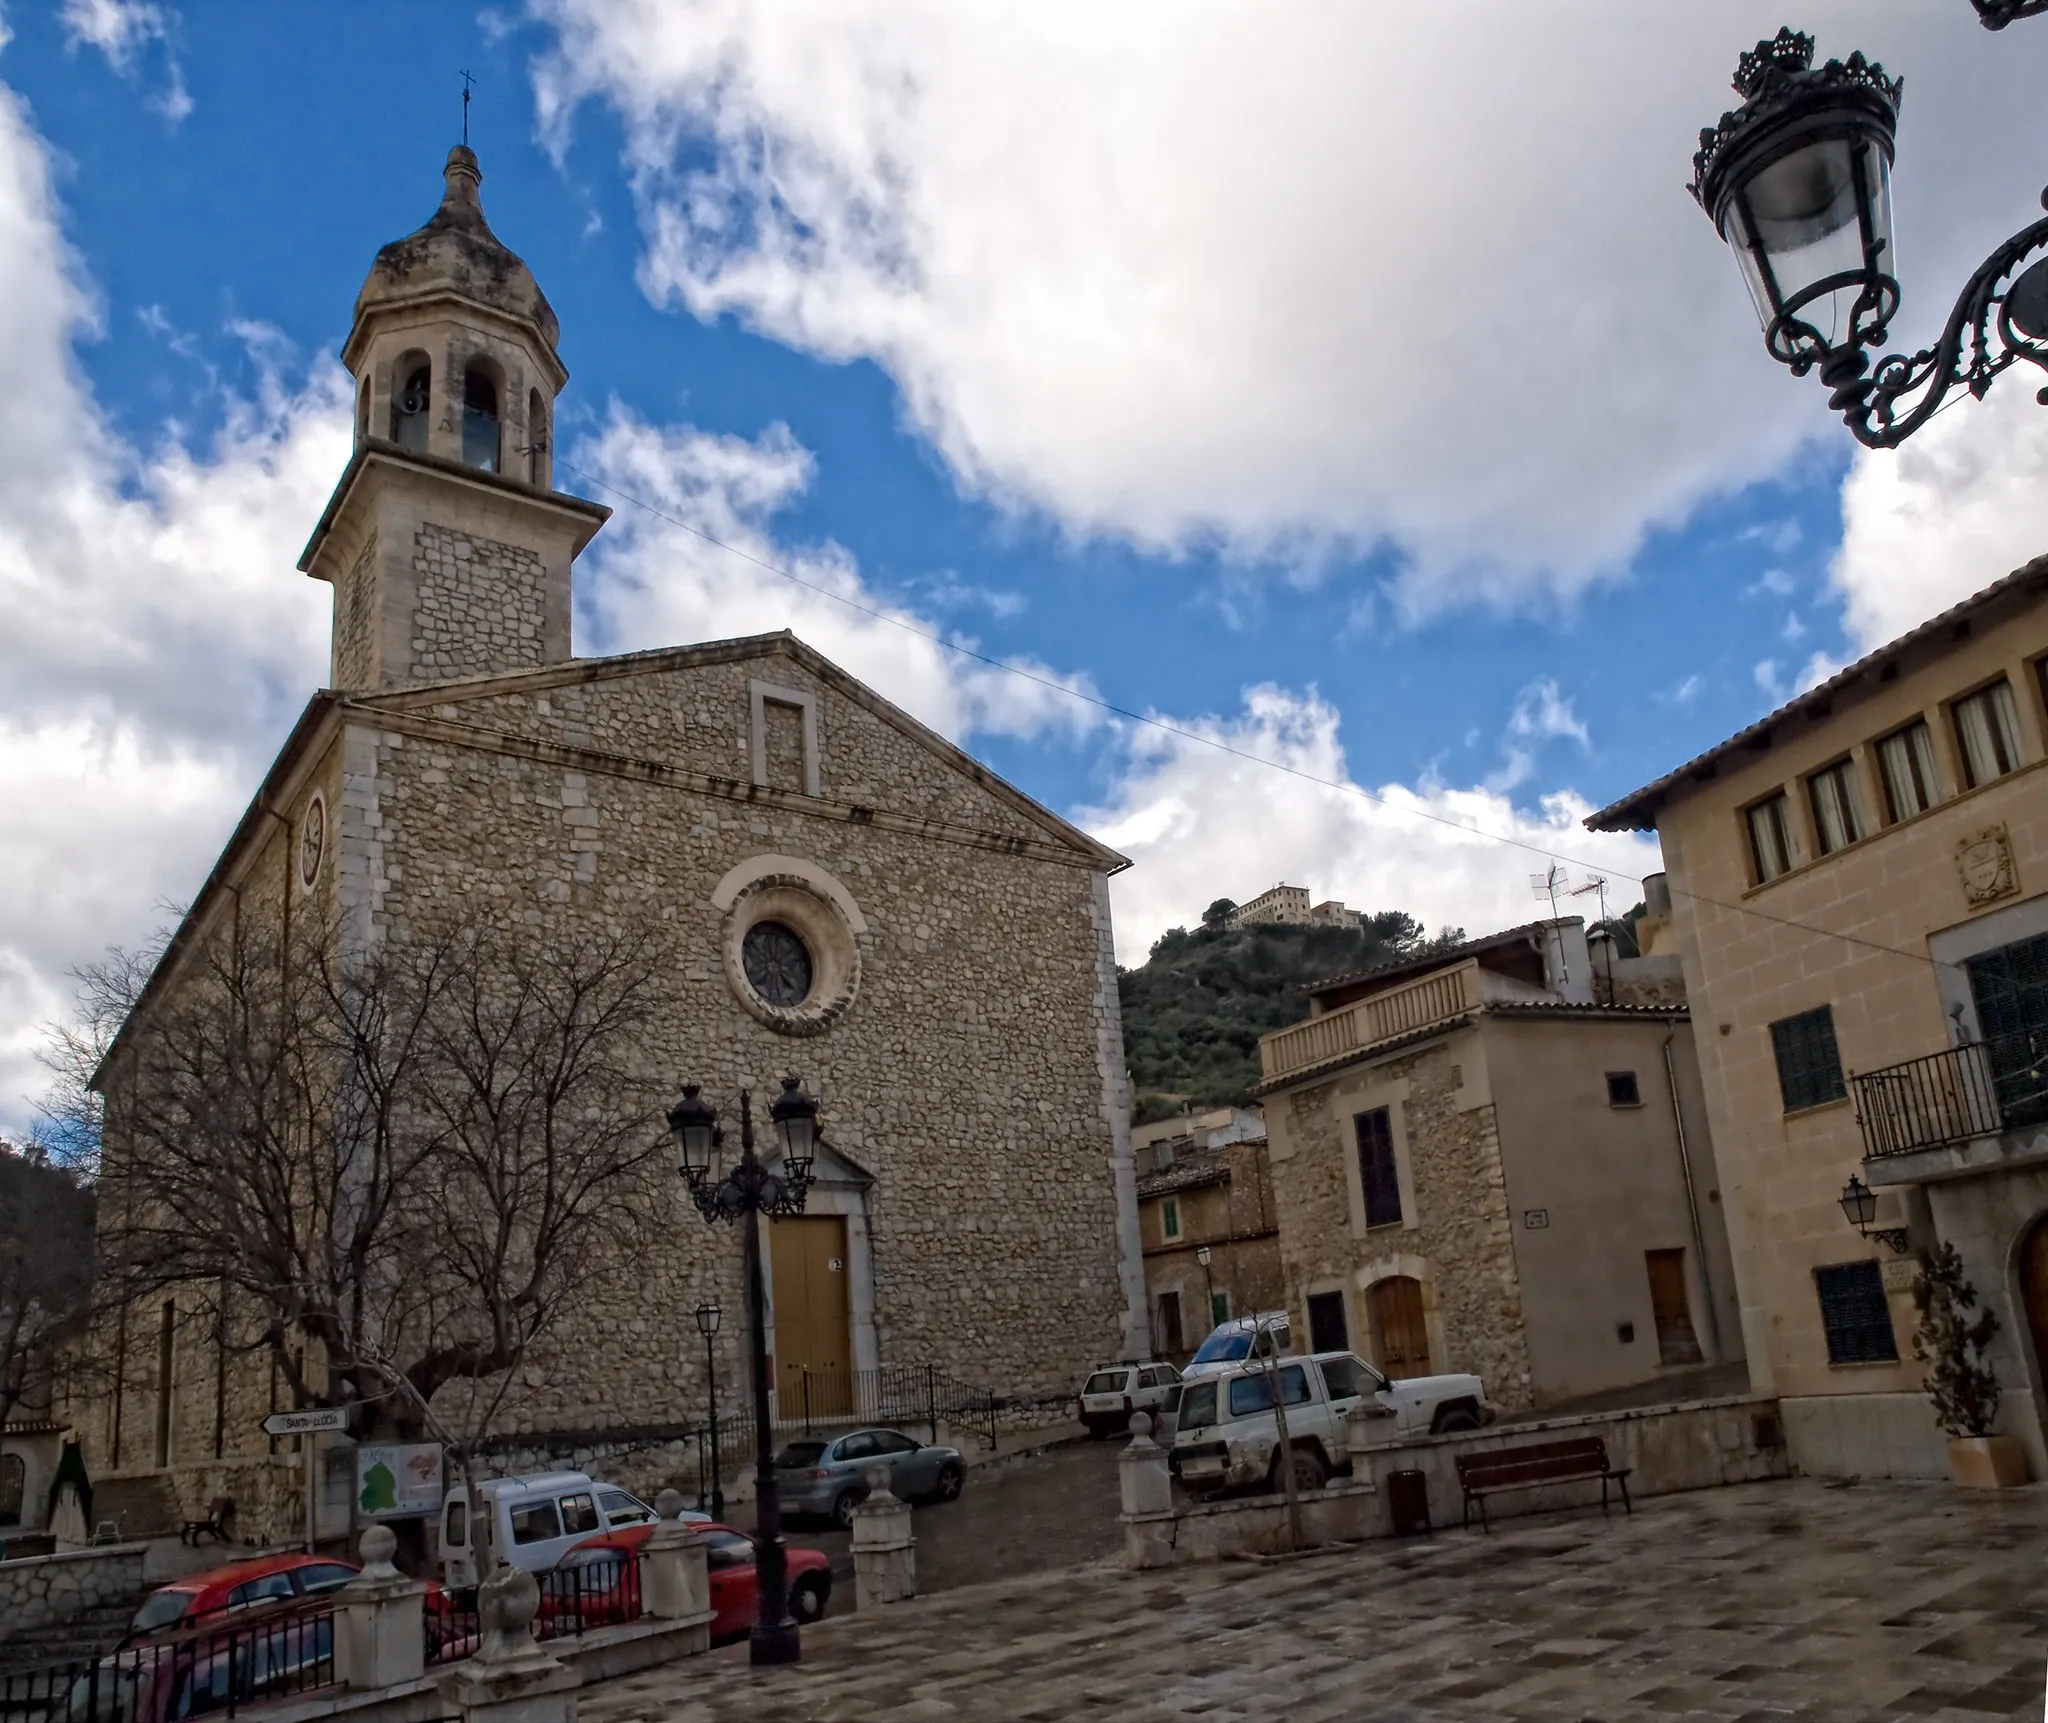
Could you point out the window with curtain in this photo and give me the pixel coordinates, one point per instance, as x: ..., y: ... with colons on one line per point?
x: 1905, y: 760
x: 1988, y: 732
x: 1770, y: 837
x: 1833, y: 790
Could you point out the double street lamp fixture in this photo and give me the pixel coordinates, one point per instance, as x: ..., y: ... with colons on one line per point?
x: 750, y: 1189
x: 1859, y: 1205
x: 1798, y: 182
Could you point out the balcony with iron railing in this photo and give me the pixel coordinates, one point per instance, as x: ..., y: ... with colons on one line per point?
x: 1442, y: 996
x: 1948, y: 1099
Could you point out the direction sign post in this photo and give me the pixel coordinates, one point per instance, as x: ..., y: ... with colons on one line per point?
x: 305, y: 1425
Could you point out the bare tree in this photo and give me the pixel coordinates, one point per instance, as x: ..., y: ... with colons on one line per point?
x: 66, y: 1130
x: 46, y: 1273
x: 403, y: 1168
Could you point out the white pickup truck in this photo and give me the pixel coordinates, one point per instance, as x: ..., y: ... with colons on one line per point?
x: 1228, y: 1437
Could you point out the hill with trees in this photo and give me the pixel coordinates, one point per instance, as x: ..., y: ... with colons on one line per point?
x: 1194, y: 1011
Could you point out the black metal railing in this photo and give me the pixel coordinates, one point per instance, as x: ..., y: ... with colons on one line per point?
x: 1956, y: 1095
x: 603, y: 1589
x: 893, y: 1394
x: 220, y: 1669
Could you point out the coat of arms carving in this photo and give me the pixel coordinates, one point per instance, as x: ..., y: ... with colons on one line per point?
x: 1984, y: 859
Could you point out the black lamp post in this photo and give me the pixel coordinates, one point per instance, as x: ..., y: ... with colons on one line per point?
x: 1204, y: 1255
x: 1798, y: 182
x: 1859, y: 1205
x: 707, y: 1325
x: 750, y: 1190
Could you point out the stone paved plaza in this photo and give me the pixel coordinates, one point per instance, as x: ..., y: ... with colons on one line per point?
x: 1765, y: 1601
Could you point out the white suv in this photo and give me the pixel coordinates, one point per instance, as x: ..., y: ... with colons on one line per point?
x: 1227, y: 1436
x: 1109, y: 1397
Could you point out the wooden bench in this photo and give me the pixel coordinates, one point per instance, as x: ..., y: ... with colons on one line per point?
x: 218, y: 1512
x: 1479, y: 1475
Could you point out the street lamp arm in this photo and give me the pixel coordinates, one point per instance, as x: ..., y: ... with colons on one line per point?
x: 1996, y: 14
x: 1992, y: 325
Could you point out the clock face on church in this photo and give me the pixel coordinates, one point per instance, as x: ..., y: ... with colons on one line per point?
x: 777, y: 962
x: 312, y: 841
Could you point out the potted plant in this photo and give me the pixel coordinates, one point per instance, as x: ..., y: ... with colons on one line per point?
x: 1961, y: 1382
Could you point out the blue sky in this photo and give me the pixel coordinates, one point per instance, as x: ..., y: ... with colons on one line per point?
x: 1303, y: 384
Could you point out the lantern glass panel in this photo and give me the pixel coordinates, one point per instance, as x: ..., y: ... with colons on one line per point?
x: 1801, y: 221
x: 1859, y: 1203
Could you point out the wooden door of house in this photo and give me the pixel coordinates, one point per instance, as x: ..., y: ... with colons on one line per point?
x: 1397, y: 1323
x: 2034, y: 1290
x: 1169, y: 1342
x: 1669, y: 1308
x: 813, y: 1318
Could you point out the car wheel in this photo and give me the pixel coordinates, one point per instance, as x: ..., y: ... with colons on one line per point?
x: 950, y: 1480
x: 1309, y: 1473
x: 842, y: 1508
x: 807, y: 1600
x: 1455, y: 1419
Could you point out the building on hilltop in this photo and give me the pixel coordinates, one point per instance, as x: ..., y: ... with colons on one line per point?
x: 845, y: 894
x: 1479, y: 1163
x: 1288, y: 906
x: 1858, y: 889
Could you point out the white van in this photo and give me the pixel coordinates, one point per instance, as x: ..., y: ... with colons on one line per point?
x: 533, y: 1522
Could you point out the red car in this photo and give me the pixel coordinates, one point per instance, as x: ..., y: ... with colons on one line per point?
x: 260, y: 1581
x: 600, y: 1578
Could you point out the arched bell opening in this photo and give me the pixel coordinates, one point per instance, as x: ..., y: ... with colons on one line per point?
x: 482, y: 430
x: 411, y: 402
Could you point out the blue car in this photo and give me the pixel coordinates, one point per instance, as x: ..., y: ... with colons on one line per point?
x: 826, y: 1477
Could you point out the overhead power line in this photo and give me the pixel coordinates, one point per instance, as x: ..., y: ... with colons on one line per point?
x: 1217, y: 745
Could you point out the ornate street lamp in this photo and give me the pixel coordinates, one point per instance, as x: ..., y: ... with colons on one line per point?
x: 707, y: 1325
x: 750, y: 1190
x: 1996, y: 14
x: 1798, y: 182
x: 1859, y: 1205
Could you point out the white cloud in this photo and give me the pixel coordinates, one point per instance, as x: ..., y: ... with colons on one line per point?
x: 124, y: 31
x: 1280, y: 280
x: 650, y: 582
x: 1542, y: 712
x: 1202, y: 824
x: 1687, y: 691
x: 1961, y: 503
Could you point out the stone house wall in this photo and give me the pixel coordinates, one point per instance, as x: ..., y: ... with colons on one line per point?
x: 1454, y: 1235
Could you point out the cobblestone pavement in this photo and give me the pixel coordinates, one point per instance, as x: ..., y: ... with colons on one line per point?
x: 1777, y: 1601
x: 1016, y: 1516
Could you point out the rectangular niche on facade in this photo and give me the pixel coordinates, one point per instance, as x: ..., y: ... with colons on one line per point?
x: 782, y: 734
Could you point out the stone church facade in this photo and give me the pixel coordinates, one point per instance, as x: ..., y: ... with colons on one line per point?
x: 947, y: 984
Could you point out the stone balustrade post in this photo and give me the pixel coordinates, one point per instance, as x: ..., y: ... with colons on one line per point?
x: 510, y: 1679
x: 884, y: 1552
x: 1367, y: 1425
x: 378, y: 1636
x: 1147, y: 1486
x: 674, y: 1582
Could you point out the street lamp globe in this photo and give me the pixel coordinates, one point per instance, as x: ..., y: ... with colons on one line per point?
x: 1204, y: 1255
x: 707, y: 1319
x: 695, y: 1123
x: 1859, y: 1203
x: 1798, y: 182
x: 796, y: 1121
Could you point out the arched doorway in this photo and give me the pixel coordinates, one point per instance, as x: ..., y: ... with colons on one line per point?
x: 2034, y: 1294
x: 1397, y: 1324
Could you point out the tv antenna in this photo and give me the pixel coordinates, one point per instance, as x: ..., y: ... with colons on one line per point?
x: 1594, y: 882
x: 467, y: 82
x: 1548, y: 884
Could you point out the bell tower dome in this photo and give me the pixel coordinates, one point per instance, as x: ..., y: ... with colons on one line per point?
x: 447, y: 546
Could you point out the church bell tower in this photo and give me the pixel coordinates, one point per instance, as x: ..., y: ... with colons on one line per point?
x: 447, y: 546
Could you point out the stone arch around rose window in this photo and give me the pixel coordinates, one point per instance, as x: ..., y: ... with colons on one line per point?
x: 819, y: 911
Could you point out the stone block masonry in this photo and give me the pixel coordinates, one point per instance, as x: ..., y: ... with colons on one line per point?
x: 480, y: 605
x: 49, y: 1590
